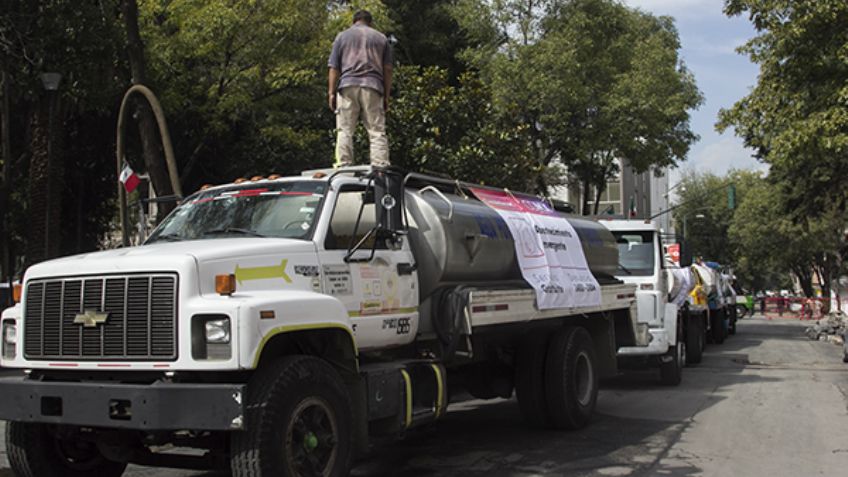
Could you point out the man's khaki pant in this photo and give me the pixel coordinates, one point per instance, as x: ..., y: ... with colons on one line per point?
x: 353, y: 103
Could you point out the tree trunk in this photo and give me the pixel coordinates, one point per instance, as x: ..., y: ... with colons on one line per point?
x: 154, y: 162
x: 584, y: 209
x: 36, y: 246
x: 805, y: 279
x: 598, y: 193
x: 6, y: 156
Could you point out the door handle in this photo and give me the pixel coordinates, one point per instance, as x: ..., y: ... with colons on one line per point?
x: 406, y: 268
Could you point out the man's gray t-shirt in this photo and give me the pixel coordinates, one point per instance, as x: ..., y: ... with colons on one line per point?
x: 359, y: 53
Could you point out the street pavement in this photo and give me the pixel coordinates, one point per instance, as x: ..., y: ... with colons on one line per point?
x: 768, y: 402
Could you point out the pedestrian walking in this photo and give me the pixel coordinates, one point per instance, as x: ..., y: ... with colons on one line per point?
x: 360, y: 81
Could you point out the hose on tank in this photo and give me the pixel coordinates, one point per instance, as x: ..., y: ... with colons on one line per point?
x: 449, y: 317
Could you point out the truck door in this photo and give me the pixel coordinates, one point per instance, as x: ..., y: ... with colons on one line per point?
x: 381, y: 298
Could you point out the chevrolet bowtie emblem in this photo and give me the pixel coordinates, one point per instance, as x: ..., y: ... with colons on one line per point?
x: 91, y: 318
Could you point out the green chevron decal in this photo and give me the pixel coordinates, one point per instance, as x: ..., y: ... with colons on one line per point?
x: 263, y: 273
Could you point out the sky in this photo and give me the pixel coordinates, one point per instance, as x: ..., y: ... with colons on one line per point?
x: 709, y: 39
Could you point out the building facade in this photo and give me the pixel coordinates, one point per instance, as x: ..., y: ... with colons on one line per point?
x: 630, y: 194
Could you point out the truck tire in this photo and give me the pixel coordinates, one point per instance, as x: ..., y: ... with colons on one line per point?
x: 530, y: 380
x: 571, y: 379
x: 718, y: 327
x: 671, y: 371
x: 36, y: 450
x: 695, y: 339
x: 297, y: 422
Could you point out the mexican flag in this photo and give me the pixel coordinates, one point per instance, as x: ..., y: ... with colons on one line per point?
x: 129, y: 178
x: 632, y: 209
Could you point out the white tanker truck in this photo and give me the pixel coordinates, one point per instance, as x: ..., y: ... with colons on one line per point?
x: 277, y: 324
x: 677, y: 323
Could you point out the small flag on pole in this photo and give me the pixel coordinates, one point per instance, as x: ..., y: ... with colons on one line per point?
x: 632, y: 211
x: 129, y: 178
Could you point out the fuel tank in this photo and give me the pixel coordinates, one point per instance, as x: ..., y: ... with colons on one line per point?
x: 460, y: 240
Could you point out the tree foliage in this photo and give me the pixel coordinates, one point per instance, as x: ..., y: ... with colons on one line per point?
x: 703, y: 209
x: 758, y: 238
x: 437, y: 127
x: 503, y: 92
x: 796, y: 117
x: 82, y: 41
x: 593, y: 81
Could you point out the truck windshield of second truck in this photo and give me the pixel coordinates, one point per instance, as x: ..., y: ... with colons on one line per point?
x: 635, y: 253
x: 263, y: 209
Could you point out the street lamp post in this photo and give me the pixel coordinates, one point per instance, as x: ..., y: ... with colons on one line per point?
x: 50, y: 81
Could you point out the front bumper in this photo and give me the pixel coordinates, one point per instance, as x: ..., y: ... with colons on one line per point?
x: 158, y: 406
x: 658, y: 345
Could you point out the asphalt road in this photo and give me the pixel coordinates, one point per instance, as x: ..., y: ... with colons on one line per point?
x: 768, y: 402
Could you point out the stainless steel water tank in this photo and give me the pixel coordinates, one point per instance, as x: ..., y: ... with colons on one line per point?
x: 459, y: 240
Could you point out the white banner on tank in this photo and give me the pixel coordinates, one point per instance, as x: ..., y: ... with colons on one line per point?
x: 548, y: 248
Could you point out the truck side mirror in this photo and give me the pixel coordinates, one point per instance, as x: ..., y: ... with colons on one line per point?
x: 388, y: 200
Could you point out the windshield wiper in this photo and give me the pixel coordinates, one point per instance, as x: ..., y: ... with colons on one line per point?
x: 625, y: 269
x: 228, y: 230
x: 167, y: 238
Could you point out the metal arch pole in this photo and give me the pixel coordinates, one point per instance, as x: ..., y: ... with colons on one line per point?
x: 166, y: 143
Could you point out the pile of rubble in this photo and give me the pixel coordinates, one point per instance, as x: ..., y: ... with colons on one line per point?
x: 830, y: 328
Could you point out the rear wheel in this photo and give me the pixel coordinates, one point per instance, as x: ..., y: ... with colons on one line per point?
x: 695, y: 340
x: 717, y: 322
x: 845, y: 348
x: 38, y: 450
x: 298, y: 422
x: 571, y: 378
x: 530, y: 380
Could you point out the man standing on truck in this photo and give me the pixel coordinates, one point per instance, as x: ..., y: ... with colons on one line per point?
x: 360, y: 81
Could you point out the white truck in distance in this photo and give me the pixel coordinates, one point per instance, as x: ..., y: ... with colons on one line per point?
x: 277, y: 324
x: 677, y: 329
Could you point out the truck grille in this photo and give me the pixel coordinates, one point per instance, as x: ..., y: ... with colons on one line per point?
x: 141, y: 322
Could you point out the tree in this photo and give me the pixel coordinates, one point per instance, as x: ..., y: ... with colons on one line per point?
x: 154, y: 162
x: 703, y: 215
x: 795, y: 118
x: 767, y: 242
x: 79, y: 41
x: 593, y: 82
x: 244, y: 83
x: 445, y: 129
x: 428, y: 34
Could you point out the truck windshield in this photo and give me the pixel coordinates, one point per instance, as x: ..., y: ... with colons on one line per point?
x: 281, y: 209
x: 635, y: 253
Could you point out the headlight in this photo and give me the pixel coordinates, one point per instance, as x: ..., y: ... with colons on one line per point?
x: 10, y: 332
x: 211, y: 337
x: 10, y: 338
x: 218, y: 331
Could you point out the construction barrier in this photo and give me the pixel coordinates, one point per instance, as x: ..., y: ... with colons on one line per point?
x: 792, y: 307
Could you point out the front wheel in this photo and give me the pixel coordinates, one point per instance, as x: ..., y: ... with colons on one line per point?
x: 298, y: 422
x: 671, y: 367
x: 38, y: 450
x: 695, y: 340
x: 571, y: 378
